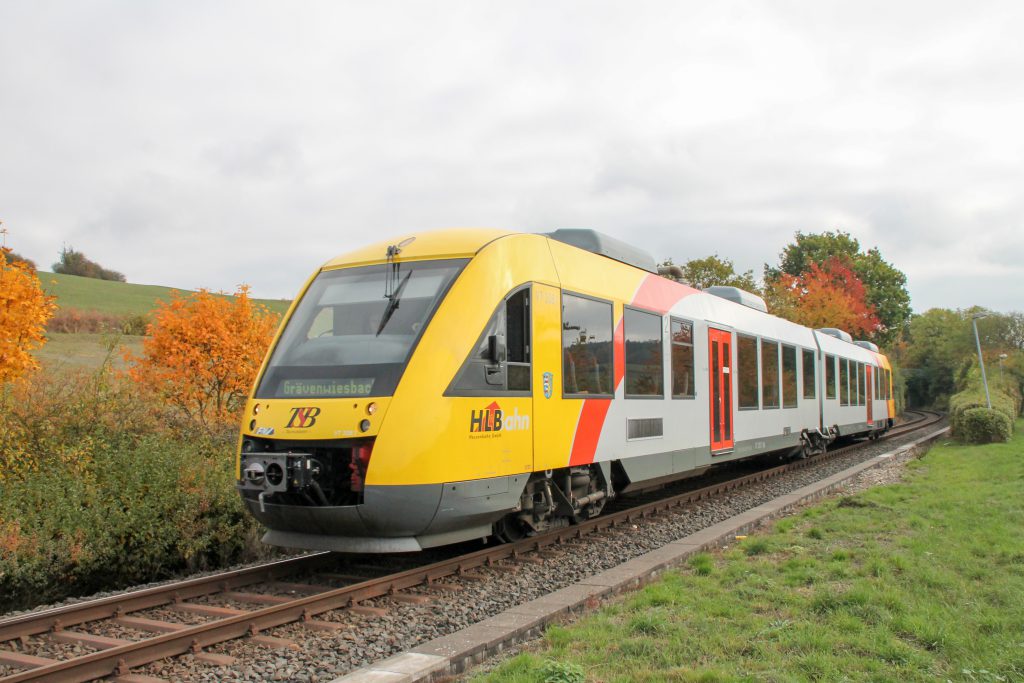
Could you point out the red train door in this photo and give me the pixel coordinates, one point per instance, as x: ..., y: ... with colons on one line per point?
x: 869, y: 382
x: 720, y: 371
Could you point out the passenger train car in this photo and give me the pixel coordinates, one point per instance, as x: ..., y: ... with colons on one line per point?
x: 460, y: 384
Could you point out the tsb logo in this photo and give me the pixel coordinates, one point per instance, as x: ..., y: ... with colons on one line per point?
x: 303, y: 417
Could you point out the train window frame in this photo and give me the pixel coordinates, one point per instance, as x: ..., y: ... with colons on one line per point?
x: 862, y: 384
x: 778, y: 374
x: 463, y: 384
x: 810, y: 384
x: 561, y: 342
x: 783, y: 384
x: 844, y: 382
x: 693, y: 357
x: 831, y: 378
x: 740, y: 336
x: 625, y: 353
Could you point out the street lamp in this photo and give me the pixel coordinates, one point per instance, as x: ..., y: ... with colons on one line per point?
x: 981, y: 361
x: 1002, y: 357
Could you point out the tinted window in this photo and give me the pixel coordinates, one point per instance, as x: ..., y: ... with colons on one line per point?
x: 586, y: 346
x: 746, y: 349
x: 510, y: 323
x: 844, y: 382
x: 788, y: 376
x: 810, y: 387
x: 346, y: 339
x: 862, y: 384
x: 643, y: 353
x: 682, y: 359
x: 830, y: 377
x: 769, y: 374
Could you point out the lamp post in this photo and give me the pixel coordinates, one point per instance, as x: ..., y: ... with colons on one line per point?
x: 981, y: 361
x: 1002, y: 357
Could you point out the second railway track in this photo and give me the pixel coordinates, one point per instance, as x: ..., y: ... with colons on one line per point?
x: 271, y: 600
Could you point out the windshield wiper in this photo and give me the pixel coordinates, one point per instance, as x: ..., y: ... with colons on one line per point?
x: 392, y: 304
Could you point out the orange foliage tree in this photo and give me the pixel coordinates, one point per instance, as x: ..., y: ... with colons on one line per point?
x: 829, y: 295
x: 24, y: 310
x: 202, y: 353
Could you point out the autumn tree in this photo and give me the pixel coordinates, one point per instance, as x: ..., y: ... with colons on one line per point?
x: 203, y: 352
x: 829, y: 295
x: 24, y: 310
x: 714, y: 270
x: 885, y: 286
x: 75, y: 263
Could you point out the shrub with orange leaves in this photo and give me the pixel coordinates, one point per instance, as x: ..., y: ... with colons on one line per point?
x: 203, y: 352
x: 829, y: 295
x: 24, y: 310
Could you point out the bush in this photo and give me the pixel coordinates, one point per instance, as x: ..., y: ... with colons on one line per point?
x: 75, y: 263
x: 24, y: 310
x: 74, y: 321
x: 969, y: 415
x: 981, y: 425
x: 96, y: 492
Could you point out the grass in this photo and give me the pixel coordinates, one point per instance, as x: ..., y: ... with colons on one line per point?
x: 921, y: 581
x: 86, y: 350
x: 118, y: 298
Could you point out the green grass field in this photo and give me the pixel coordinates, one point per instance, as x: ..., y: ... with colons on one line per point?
x: 920, y: 581
x: 69, y: 351
x: 117, y: 298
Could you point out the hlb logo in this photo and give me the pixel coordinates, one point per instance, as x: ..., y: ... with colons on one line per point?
x: 492, y: 419
x: 303, y: 417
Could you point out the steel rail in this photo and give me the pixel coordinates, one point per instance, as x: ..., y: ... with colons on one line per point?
x: 119, y: 660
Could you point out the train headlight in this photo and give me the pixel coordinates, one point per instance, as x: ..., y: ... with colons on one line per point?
x: 371, y: 408
x: 364, y: 426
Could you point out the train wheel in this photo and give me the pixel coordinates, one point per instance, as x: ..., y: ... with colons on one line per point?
x: 510, y: 529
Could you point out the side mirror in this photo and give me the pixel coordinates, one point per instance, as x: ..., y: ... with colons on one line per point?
x: 496, y: 350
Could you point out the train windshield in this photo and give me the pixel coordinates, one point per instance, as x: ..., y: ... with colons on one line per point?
x: 347, y: 339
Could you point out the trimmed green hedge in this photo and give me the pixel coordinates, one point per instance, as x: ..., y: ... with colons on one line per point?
x: 971, y: 419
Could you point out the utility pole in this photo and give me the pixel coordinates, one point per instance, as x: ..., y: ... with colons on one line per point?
x: 981, y: 361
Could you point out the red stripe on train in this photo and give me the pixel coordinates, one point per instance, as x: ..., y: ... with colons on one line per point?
x: 588, y: 430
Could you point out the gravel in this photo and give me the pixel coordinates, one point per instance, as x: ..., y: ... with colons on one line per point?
x: 320, y: 656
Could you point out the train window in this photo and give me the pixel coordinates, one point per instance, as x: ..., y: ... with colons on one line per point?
x: 643, y: 341
x: 844, y: 382
x: 830, y: 377
x: 517, y: 340
x: 809, y: 376
x: 746, y: 351
x: 586, y: 346
x: 480, y: 375
x: 862, y: 384
x: 682, y: 359
x: 788, y: 376
x: 769, y: 374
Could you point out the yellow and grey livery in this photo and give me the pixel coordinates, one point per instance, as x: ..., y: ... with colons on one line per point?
x: 452, y: 385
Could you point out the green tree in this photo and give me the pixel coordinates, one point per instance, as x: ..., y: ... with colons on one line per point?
x: 886, y: 285
x: 75, y: 263
x: 714, y: 270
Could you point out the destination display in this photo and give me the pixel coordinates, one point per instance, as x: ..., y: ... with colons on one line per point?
x: 326, y: 388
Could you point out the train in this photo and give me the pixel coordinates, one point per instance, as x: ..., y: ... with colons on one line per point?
x: 465, y: 384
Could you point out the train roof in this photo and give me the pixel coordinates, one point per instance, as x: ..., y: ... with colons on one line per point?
x: 434, y: 244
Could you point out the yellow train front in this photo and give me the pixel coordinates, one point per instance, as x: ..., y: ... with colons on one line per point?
x: 456, y: 384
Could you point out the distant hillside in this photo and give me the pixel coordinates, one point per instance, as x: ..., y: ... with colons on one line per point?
x: 116, y: 298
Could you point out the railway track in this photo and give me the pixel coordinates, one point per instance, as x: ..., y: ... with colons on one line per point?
x: 273, y: 597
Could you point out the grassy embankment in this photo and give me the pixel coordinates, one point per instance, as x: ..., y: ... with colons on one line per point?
x: 108, y: 297
x: 920, y: 581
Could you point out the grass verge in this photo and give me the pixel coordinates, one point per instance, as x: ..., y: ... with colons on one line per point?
x: 119, y: 298
x: 921, y: 581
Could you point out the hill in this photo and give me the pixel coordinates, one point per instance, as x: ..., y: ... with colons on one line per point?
x: 117, y: 298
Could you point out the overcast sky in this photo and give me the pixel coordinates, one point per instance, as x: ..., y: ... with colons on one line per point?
x: 205, y: 144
